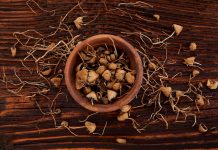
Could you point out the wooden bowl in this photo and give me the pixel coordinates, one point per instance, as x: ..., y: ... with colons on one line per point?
x: 74, y: 60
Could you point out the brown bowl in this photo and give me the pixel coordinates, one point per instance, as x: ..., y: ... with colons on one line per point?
x: 74, y: 60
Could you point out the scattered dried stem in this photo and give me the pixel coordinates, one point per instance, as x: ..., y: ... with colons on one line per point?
x: 137, y: 4
x: 87, y: 117
x: 31, y: 8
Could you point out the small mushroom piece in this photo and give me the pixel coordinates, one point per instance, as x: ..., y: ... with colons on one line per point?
x: 192, y: 46
x: 79, y: 84
x: 106, y: 75
x: 152, y: 66
x: 200, y: 100
x: 108, y: 58
x: 46, y: 71
x: 92, y: 95
x: 113, y: 57
x: 122, y: 116
x: 92, y: 76
x: 90, y: 126
x: 112, y: 66
x: 107, y: 52
x: 81, y: 78
x: 157, y: 17
x: 202, y: 128
x: 167, y: 91
x: 64, y: 124
x: 13, y: 51
x: 130, y: 78
x: 179, y: 94
x: 120, y: 74
x: 100, y: 69
x: 177, y: 28
x: 110, y: 85
x: 44, y: 91
x: 116, y: 86
x: 87, y: 90
x: 189, y: 61
x: 121, y: 140
x: 211, y: 84
x: 78, y: 22
x: 103, y: 61
x: 82, y: 75
x: 56, y: 81
x: 195, y: 72
x: 126, y: 108
x: 111, y: 94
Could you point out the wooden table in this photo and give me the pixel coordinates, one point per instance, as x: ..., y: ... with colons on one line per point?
x: 22, y: 126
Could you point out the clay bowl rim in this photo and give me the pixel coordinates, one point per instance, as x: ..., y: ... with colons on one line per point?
x: 95, y: 41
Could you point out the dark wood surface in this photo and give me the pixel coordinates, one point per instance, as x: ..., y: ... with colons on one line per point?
x: 22, y: 126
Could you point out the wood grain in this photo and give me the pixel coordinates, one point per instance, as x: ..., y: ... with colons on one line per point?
x: 22, y: 126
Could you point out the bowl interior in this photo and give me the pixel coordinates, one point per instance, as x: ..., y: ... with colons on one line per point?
x: 93, y: 42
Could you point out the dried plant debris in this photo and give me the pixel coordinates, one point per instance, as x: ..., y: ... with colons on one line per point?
x: 104, y: 74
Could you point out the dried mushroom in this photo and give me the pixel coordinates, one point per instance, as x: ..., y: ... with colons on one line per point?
x: 56, y: 81
x: 90, y: 126
x: 101, y: 69
x: 120, y: 74
x: 130, y: 78
x: 192, y: 46
x: 92, y: 95
x: 211, y: 84
x: 107, y: 75
x: 126, y: 108
x: 177, y: 28
x: 167, y: 91
x: 123, y: 116
x: 111, y: 94
x: 81, y: 78
x: 92, y: 76
x: 112, y: 66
